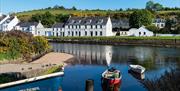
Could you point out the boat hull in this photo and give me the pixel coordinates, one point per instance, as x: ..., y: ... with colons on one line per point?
x: 110, y: 85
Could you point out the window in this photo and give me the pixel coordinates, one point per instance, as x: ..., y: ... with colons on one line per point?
x: 91, y: 27
x: 76, y: 27
x: 85, y: 26
x: 79, y: 26
x: 68, y: 32
x: 91, y: 33
x: 157, y: 25
x: 96, y: 26
x: 85, y: 33
x: 100, y: 26
x: 72, y: 33
x: 144, y: 33
x: 72, y: 27
x: 139, y: 33
x: 96, y: 33
x: 100, y: 33
x: 63, y: 34
x: 162, y: 25
x: 76, y: 33
x: 79, y: 33
x: 69, y: 26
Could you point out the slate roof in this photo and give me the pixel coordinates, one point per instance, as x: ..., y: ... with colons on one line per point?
x: 2, y: 17
x: 58, y: 25
x: 120, y: 23
x: 9, y: 19
x: 159, y: 20
x: 27, y: 24
x: 87, y: 21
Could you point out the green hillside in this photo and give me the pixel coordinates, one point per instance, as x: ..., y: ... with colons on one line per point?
x: 27, y: 14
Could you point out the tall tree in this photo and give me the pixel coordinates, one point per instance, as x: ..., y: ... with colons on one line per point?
x: 150, y: 5
x: 140, y: 17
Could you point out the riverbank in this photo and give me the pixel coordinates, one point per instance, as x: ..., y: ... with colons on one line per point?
x: 144, y: 41
x: 48, y: 60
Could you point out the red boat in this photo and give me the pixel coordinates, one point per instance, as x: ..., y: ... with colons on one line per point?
x: 111, y: 79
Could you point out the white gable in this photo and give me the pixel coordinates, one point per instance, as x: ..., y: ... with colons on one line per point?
x: 142, y: 31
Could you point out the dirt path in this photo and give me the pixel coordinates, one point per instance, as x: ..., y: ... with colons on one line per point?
x: 49, y: 60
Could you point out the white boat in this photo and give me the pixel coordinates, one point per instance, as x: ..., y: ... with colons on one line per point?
x: 137, y: 68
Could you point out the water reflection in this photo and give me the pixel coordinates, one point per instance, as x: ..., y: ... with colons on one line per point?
x: 137, y: 75
x: 149, y: 57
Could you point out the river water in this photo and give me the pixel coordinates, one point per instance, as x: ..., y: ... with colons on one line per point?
x: 92, y: 61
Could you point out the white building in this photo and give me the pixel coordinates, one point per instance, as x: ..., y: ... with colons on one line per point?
x: 58, y: 29
x: 31, y: 27
x: 7, y: 22
x: 44, y: 32
x: 160, y: 23
x: 142, y: 31
x: 89, y: 26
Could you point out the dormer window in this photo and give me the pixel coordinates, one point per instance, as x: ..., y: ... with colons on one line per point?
x: 72, y: 21
x: 88, y: 21
x: 100, y: 21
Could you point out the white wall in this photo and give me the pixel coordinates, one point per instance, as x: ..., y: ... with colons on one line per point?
x: 58, y: 32
x: 44, y: 32
x: 9, y: 26
x: 142, y: 31
x: 109, y: 28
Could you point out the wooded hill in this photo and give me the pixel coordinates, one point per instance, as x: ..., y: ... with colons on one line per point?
x: 26, y: 15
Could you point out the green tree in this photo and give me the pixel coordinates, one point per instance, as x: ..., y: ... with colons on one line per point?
x: 74, y: 8
x: 150, y: 5
x: 140, y: 17
x: 40, y: 44
x: 61, y: 18
x: 153, y: 28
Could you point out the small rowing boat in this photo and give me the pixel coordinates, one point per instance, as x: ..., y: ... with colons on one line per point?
x: 137, y: 68
x: 111, y: 76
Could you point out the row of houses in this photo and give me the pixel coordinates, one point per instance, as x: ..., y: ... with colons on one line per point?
x: 75, y: 26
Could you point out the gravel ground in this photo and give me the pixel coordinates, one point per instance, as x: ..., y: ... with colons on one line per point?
x: 50, y: 59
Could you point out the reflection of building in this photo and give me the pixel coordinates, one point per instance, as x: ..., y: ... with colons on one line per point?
x: 87, y: 54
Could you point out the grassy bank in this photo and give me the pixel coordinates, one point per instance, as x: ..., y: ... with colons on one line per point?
x: 117, y: 40
x: 15, y: 76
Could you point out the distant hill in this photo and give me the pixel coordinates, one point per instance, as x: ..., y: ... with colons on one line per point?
x: 26, y: 15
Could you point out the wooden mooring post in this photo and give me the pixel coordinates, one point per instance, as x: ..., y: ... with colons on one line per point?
x: 89, y: 85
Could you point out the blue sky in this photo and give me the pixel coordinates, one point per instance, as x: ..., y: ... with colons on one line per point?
x: 8, y: 6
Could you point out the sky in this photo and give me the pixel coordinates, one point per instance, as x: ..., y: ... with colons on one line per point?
x: 9, y: 6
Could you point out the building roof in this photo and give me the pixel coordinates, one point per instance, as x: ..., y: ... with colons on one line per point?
x: 27, y: 24
x: 159, y: 20
x: 2, y: 17
x: 58, y: 25
x: 120, y: 23
x: 87, y: 21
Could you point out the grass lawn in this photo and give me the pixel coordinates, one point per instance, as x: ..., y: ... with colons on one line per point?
x: 118, y: 37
